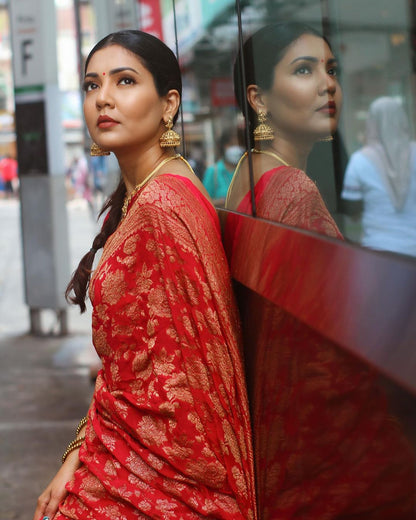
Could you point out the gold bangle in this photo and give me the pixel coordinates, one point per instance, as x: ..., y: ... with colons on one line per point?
x: 81, y: 424
x: 73, y: 445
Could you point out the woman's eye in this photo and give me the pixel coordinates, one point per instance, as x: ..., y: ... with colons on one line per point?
x: 89, y: 85
x: 126, y: 81
x: 303, y: 70
x: 334, y: 71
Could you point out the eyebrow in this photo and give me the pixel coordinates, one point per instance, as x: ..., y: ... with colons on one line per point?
x: 112, y: 72
x: 312, y: 59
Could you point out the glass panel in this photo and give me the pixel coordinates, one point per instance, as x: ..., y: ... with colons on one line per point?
x: 322, y: 414
x: 379, y: 186
x: 367, y: 181
x: 288, y: 111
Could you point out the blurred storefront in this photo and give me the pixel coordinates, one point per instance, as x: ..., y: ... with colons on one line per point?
x: 373, y: 40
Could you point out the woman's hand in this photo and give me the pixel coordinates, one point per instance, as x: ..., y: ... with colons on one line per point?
x: 50, y: 499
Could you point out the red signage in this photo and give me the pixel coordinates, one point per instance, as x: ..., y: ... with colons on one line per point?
x: 222, y: 92
x: 150, y: 17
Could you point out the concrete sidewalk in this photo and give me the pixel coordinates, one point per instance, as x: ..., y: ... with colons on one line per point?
x: 46, y: 389
x: 44, y: 381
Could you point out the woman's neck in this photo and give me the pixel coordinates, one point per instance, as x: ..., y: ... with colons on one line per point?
x: 136, y: 166
x: 294, y: 153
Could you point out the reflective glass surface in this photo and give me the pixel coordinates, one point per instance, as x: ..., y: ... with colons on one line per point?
x: 323, y: 107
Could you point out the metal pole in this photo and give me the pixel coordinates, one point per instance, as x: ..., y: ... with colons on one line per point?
x: 245, y: 102
x: 78, y: 38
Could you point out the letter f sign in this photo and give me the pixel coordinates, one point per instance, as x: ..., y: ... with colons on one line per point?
x: 26, y: 55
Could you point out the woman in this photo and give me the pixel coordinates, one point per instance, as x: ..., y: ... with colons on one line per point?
x: 325, y: 446
x: 167, y: 433
x: 380, y: 180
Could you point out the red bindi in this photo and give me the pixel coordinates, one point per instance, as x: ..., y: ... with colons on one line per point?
x: 104, y: 72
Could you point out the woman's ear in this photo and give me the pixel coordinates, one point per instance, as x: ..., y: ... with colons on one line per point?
x: 172, y: 102
x: 255, y: 97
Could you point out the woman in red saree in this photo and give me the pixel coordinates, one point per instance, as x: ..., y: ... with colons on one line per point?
x: 325, y: 445
x: 168, y: 431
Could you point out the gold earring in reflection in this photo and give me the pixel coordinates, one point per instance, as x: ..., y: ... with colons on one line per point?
x: 327, y: 139
x: 169, y: 138
x: 96, y: 151
x: 263, y: 131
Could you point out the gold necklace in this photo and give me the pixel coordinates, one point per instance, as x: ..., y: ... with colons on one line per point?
x: 245, y: 154
x: 139, y: 186
x: 128, y: 198
x: 271, y: 154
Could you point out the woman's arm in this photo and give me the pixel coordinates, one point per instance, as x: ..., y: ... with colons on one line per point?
x: 55, y: 492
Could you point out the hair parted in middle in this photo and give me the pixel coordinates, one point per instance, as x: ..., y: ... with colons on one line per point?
x: 162, y: 64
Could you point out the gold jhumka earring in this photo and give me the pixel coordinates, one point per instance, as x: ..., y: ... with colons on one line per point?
x: 327, y: 139
x: 96, y: 151
x: 169, y: 138
x: 263, y: 131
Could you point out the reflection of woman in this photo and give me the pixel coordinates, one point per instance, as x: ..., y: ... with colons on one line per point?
x: 167, y: 434
x: 325, y: 446
x: 382, y: 176
x: 294, y: 101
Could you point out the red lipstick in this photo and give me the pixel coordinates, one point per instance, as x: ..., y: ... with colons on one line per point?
x: 106, y: 122
x: 329, y: 108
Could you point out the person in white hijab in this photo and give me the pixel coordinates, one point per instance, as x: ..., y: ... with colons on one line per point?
x: 382, y: 176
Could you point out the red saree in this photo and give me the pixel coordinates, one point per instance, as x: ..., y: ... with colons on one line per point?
x: 325, y: 446
x: 169, y: 432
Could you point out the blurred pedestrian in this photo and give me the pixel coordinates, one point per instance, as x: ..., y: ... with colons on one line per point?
x: 8, y: 173
x: 380, y: 180
x: 83, y: 181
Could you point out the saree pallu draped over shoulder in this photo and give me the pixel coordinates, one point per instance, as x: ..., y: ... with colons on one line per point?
x: 169, y: 433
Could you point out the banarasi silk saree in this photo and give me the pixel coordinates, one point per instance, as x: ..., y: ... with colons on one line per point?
x: 169, y: 433
x: 325, y: 445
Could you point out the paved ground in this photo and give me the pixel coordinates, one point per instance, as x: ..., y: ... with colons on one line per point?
x: 44, y: 381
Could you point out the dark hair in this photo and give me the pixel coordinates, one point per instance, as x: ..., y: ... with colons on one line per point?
x: 161, y: 62
x: 262, y: 51
x: 154, y: 55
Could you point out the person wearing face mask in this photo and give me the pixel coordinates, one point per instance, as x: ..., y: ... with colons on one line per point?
x: 217, y: 177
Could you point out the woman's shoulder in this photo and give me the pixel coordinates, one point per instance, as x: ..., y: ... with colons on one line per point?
x: 362, y: 159
x: 284, y: 187
x: 177, y: 196
x: 171, y: 189
x: 289, y: 178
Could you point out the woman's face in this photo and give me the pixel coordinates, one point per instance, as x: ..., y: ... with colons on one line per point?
x: 122, y: 107
x: 305, y: 97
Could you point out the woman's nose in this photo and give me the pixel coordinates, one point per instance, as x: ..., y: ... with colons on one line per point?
x: 332, y: 83
x: 104, y: 96
x: 329, y: 84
